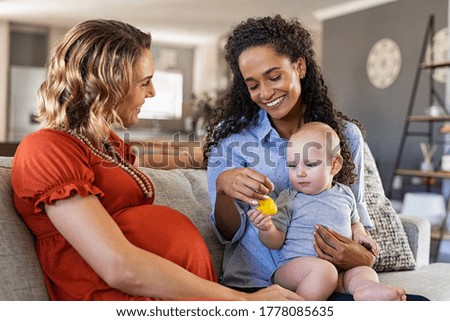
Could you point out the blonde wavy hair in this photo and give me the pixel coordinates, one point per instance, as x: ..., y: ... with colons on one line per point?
x: 88, y: 77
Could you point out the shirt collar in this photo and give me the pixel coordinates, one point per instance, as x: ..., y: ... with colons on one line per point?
x: 264, y: 129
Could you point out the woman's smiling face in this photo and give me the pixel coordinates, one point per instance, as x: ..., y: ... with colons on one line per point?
x: 140, y: 89
x: 273, y: 81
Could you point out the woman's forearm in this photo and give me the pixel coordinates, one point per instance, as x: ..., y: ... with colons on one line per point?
x: 145, y: 274
x: 163, y: 279
x: 226, y: 215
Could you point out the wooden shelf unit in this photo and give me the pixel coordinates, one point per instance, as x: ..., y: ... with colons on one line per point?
x: 437, y: 235
x: 427, y: 118
x: 429, y: 177
x: 433, y: 65
x: 419, y: 173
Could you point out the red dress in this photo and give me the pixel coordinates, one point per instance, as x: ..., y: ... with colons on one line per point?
x: 50, y: 165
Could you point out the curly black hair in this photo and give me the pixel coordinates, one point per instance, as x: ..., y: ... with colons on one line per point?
x: 235, y: 110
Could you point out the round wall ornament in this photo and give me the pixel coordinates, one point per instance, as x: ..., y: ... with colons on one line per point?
x: 440, y: 51
x: 383, y: 63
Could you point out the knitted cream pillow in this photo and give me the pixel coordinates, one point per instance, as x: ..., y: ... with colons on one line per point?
x: 395, y: 252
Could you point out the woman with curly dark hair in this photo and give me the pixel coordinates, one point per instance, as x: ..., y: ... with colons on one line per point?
x: 98, y: 234
x: 276, y: 88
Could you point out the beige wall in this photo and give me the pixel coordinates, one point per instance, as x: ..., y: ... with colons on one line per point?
x: 54, y: 34
x: 205, y: 67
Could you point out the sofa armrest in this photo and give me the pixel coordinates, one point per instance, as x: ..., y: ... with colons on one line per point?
x: 418, y: 230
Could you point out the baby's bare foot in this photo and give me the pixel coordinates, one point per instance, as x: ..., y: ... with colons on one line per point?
x: 373, y: 291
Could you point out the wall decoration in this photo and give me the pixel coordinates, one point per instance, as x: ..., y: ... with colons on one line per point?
x: 383, y: 63
x: 440, y: 48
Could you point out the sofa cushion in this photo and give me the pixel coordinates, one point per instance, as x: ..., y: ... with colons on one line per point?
x: 430, y: 281
x: 395, y: 252
x: 20, y: 271
x: 186, y: 190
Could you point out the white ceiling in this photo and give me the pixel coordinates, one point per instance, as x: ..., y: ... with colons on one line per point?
x: 188, y: 19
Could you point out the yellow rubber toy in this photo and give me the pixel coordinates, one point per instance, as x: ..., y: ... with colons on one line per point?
x: 267, y: 206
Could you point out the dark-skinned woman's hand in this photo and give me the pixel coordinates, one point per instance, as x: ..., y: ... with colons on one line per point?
x: 343, y: 252
x: 244, y: 184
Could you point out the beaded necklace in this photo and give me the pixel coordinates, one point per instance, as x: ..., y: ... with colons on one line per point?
x: 117, y: 159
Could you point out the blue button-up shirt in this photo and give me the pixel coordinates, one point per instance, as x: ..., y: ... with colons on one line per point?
x: 247, y: 262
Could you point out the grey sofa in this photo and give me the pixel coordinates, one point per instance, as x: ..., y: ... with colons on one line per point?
x: 185, y: 190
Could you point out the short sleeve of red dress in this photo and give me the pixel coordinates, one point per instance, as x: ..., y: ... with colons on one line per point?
x: 50, y: 165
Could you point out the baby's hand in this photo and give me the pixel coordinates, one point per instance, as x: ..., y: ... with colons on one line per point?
x: 260, y: 221
x: 368, y: 242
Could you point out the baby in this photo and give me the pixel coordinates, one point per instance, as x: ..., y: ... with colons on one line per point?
x: 313, y: 158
